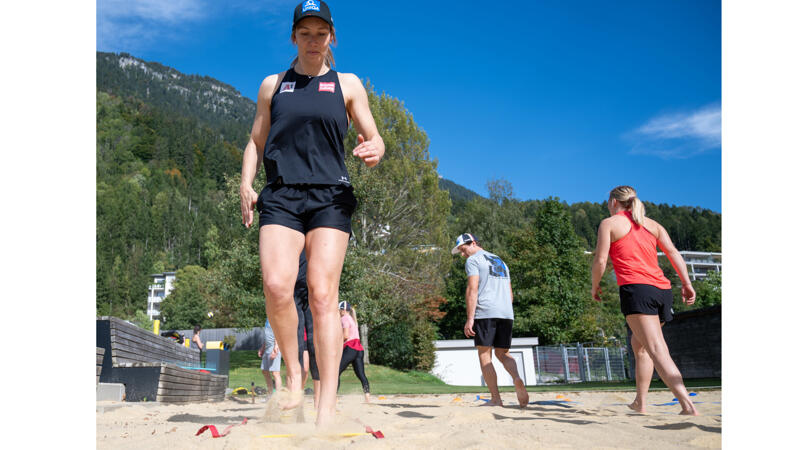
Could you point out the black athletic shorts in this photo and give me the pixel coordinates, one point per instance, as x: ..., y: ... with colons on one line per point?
x: 303, y: 207
x: 493, y: 332
x: 646, y: 299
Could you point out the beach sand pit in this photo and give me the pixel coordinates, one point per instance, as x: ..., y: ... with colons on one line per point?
x: 586, y: 420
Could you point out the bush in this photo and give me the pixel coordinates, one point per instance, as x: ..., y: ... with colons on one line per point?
x: 422, y: 336
x: 229, y: 341
x: 389, y: 345
x: 403, y: 345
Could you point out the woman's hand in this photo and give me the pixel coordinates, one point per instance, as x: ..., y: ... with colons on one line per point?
x: 367, y: 151
x: 687, y: 294
x: 596, y: 291
x: 248, y: 199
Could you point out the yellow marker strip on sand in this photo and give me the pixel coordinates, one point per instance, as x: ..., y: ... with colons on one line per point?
x: 293, y: 435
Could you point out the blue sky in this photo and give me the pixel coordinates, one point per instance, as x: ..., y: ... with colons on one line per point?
x: 563, y: 99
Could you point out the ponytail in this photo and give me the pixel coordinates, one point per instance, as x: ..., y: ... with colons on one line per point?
x: 637, y: 210
x: 352, y: 313
x: 626, y: 196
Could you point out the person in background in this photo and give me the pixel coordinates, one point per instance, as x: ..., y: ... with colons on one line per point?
x: 196, y: 337
x: 305, y: 329
x: 490, y: 314
x: 270, y: 356
x: 645, y: 294
x: 353, y: 351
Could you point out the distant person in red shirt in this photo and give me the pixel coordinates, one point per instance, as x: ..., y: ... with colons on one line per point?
x: 353, y: 352
x: 645, y: 294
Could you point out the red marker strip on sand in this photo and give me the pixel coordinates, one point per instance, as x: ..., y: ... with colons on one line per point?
x: 215, y: 433
x: 377, y: 434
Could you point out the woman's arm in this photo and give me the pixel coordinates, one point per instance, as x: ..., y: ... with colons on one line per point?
x: 370, y: 146
x: 253, y: 151
x: 600, y: 256
x: 675, y: 258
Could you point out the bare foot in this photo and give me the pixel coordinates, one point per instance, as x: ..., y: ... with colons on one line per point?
x: 366, y: 398
x: 522, y: 393
x: 637, y: 406
x: 493, y: 402
x: 690, y: 412
x: 325, y: 418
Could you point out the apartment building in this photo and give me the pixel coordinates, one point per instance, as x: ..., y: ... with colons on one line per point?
x: 160, y: 288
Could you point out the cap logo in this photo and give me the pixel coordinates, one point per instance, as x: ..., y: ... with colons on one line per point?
x: 310, y: 5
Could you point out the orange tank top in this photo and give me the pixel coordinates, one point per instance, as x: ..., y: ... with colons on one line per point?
x: 635, y: 257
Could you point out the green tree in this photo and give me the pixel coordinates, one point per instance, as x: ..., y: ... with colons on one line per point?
x: 188, y: 303
x: 708, y: 290
x: 551, y: 277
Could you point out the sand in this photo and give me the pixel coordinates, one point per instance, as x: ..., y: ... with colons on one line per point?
x: 587, y: 420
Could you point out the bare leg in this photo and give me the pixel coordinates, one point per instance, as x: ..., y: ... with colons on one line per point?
x: 325, y: 249
x: 278, y: 382
x: 305, y: 368
x: 489, y: 375
x: 279, y: 251
x: 316, y: 393
x: 644, y: 374
x: 647, y: 330
x: 511, y: 367
x: 268, y: 379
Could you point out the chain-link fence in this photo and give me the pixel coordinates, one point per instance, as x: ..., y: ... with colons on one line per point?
x: 577, y: 363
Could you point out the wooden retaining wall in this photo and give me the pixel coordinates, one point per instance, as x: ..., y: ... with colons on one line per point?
x: 152, y: 367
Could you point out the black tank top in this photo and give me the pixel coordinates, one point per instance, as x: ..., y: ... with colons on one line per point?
x: 306, y: 137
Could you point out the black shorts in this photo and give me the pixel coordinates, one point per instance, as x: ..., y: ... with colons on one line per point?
x: 646, y: 299
x: 493, y: 332
x: 303, y: 207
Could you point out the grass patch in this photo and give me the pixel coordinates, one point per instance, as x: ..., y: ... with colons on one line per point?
x: 245, y: 367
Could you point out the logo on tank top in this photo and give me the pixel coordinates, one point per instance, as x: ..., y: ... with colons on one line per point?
x: 329, y: 87
x: 310, y: 4
x: 287, y: 86
x: 344, y: 179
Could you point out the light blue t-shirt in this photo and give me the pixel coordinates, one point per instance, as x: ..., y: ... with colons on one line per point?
x: 494, y: 286
x: 269, y: 335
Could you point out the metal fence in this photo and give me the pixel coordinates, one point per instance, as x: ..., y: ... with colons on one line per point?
x: 579, y: 363
x: 245, y: 339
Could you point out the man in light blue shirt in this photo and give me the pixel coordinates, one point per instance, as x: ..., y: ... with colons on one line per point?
x: 490, y: 315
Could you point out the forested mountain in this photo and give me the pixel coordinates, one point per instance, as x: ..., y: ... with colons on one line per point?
x: 210, y: 101
x: 458, y: 193
x: 168, y: 153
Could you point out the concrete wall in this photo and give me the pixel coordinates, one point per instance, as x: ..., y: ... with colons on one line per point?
x: 457, y: 362
x: 694, y: 339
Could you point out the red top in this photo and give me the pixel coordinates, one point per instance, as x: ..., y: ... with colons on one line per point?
x: 635, y: 257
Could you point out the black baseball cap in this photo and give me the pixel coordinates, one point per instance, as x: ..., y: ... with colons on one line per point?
x: 312, y: 8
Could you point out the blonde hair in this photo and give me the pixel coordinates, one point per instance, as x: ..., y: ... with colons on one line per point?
x: 352, y: 313
x: 626, y: 196
x: 329, y: 60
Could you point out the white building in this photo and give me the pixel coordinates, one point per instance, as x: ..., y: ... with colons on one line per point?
x: 457, y: 362
x: 161, y: 287
x: 700, y: 263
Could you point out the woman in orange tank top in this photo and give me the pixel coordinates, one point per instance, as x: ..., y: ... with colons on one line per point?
x: 630, y: 239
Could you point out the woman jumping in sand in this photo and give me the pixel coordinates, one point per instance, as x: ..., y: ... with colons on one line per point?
x: 301, y: 119
x: 645, y: 294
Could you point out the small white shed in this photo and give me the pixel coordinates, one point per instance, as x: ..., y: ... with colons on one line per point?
x: 457, y: 362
